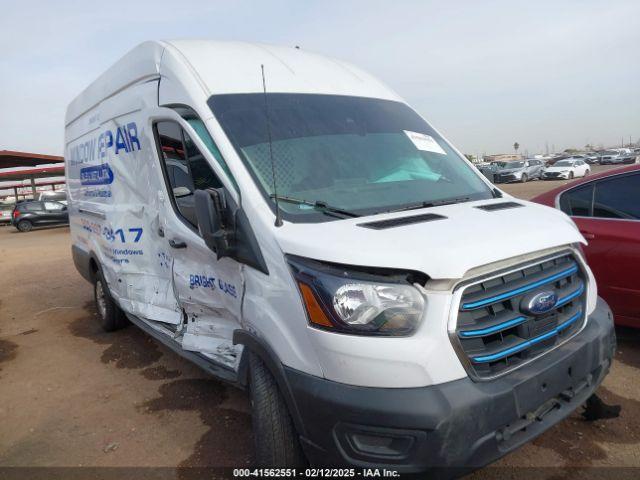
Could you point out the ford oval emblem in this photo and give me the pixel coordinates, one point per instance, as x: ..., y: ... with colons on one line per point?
x: 541, y: 302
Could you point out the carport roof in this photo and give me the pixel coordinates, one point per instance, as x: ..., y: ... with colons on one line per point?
x: 11, y: 159
x: 38, y: 172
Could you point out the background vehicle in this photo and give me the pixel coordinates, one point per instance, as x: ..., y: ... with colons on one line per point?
x: 606, y: 209
x: 617, y: 157
x: 489, y: 170
x: 519, y: 171
x: 54, y: 196
x: 5, y: 213
x: 591, y: 158
x: 566, y: 169
x: 27, y: 215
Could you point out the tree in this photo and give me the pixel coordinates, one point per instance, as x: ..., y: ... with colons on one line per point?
x: 516, y: 146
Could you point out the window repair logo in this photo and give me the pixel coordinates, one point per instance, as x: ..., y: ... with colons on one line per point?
x: 124, y: 138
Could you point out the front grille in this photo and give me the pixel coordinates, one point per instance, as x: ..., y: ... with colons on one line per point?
x: 497, y: 330
x: 506, y: 176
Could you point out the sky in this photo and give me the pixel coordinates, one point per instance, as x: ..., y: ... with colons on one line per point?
x: 485, y: 73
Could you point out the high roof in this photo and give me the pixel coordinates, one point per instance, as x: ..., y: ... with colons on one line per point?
x: 231, y: 67
x: 12, y: 159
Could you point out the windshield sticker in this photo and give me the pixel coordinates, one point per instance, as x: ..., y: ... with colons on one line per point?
x: 424, y: 142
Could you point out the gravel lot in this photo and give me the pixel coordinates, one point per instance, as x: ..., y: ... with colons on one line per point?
x: 71, y: 395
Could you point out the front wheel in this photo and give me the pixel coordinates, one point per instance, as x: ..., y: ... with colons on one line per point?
x: 571, y: 175
x: 110, y: 316
x: 276, y: 441
x: 586, y: 172
x: 524, y: 178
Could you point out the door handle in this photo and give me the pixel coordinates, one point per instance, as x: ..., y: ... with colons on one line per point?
x: 177, y: 243
x: 587, y: 235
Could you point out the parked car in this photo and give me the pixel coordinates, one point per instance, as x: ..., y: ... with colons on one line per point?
x: 618, y: 157
x: 566, y: 170
x: 380, y: 300
x: 5, y: 213
x: 27, y: 215
x: 591, y: 158
x: 518, y: 171
x: 54, y: 196
x: 606, y: 209
x: 489, y: 170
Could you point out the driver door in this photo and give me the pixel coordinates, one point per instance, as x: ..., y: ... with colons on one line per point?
x: 208, y: 290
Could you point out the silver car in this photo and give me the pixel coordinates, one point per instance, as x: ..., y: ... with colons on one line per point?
x: 519, y: 171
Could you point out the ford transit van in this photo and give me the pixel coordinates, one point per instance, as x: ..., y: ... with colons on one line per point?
x: 287, y: 222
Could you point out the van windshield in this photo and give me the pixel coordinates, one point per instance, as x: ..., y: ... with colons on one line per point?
x: 359, y: 154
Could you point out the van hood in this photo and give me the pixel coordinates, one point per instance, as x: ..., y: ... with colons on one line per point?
x: 467, y: 237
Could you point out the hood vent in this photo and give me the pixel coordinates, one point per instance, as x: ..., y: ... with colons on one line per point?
x: 399, y: 222
x: 499, y: 206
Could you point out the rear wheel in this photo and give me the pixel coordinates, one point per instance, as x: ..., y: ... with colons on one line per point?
x: 109, y: 314
x: 276, y: 441
x: 25, y: 226
x: 524, y: 178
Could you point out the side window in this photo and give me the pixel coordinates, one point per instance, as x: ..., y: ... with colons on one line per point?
x: 577, y: 202
x: 185, y: 168
x: 33, y: 207
x: 201, y: 172
x: 53, y: 206
x: 618, y: 197
x: 201, y: 130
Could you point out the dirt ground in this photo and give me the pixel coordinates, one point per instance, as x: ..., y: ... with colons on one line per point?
x: 71, y: 395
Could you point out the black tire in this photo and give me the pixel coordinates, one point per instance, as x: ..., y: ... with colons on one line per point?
x: 586, y: 172
x: 571, y: 175
x: 276, y: 442
x: 524, y: 178
x: 24, y: 226
x: 110, y: 316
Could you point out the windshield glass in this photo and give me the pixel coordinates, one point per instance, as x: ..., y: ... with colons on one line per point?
x: 564, y: 163
x: 358, y: 154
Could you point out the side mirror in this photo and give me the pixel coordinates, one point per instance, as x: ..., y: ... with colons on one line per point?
x: 210, y: 213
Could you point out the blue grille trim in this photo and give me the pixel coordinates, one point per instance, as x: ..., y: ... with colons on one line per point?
x: 571, y: 296
x: 517, y: 291
x: 528, y: 343
x: 496, y: 328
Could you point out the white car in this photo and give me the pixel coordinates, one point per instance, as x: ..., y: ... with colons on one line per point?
x: 566, y: 170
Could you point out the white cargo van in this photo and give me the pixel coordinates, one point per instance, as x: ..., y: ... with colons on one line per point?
x: 307, y: 235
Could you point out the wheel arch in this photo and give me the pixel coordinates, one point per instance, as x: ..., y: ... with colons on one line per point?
x: 253, y: 344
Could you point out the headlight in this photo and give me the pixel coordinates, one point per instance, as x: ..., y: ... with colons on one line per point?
x: 343, y: 300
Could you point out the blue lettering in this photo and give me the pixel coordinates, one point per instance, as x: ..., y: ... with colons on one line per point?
x: 133, y: 134
x: 120, y: 143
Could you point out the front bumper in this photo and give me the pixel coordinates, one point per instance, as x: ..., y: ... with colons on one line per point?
x: 555, y: 176
x: 508, y: 178
x: 453, y: 427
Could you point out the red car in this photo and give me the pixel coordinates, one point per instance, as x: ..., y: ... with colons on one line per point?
x: 606, y: 209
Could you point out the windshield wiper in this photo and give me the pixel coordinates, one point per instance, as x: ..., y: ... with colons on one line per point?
x: 317, y: 205
x: 436, y: 203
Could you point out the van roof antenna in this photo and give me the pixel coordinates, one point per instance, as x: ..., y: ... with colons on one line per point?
x: 273, y: 165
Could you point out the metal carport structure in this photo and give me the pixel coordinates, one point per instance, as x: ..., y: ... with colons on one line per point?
x: 21, y: 166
